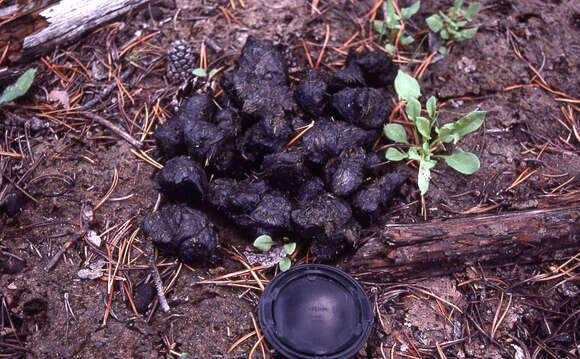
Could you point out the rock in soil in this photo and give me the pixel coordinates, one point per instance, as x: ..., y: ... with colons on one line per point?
x: 182, y: 180
x: 183, y: 232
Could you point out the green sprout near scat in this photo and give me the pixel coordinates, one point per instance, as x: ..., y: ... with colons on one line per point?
x: 393, y: 23
x: 265, y: 243
x: 450, y: 25
x: 201, y: 72
x: 428, y: 145
x: 19, y: 88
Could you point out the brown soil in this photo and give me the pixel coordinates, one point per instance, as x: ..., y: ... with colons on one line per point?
x: 205, y: 319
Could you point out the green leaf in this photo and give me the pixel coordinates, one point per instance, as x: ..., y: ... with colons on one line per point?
x: 424, y: 127
x: 284, y: 264
x: 465, y: 125
x: 448, y: 20
x: 212, y: 73
x: 472, y: 10
x: 424, y: 174
x: 413, y: 109
x: 461, y: 24
x: 414, y: 154
x: 20, y: 87
x: 406, y: 40
x: 395, y: 132
x: 446, y: 132
x: 289, y: 248
x: 444, y: 34
x: 395, y: 155
x: 442, y: 50
x: 264, y: 242
x: 390, y: 48
x: 406, y: 86
x: 407, y: 12
x: 453, y: 32
x: 468, y: 33
x: 426, y: 150
x: 432, y: 107
x: 392, y: 16
x: 457, y: 5
x: 199, y: 72
x: 464, y: 162
x: 380, y: 27
x: 434, y: 22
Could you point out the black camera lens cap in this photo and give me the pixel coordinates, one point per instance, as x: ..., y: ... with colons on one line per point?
x: 315, y: 311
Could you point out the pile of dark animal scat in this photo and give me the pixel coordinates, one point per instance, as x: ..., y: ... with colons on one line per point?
x: 317, y: 189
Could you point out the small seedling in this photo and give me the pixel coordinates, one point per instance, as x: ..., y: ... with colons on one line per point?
x: 265, y: 243
x: 393, y: 22
x: 424, y: 152
x: 200, y: 72
x: 450, y: 26
x: 19, y: 88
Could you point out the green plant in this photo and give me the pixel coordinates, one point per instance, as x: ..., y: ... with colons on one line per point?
x: 201, y: 72
x: 424, y: 151
x: 19, y: 88
x: 450, y: 25
x: 265, y: 243
x: 393, y: 23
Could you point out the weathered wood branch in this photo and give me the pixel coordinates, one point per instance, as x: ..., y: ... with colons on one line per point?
x: 31, y: 31
x: 404, y: 251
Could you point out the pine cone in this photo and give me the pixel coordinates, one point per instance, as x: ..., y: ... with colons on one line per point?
x: 180, y: 61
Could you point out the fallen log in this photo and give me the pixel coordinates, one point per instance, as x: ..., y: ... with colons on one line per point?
x: 29, y: 29
x: 405, y: 251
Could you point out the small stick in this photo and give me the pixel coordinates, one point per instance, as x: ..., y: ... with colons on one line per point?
x: 107, y: 90
x: 239, y: 341
x: 156, y: 277
x: 137, y: 42
x: 69, y: 242
x: 2, y: 173
x: 116, y: 129
x: 307, y: 53
x: 326, y: 38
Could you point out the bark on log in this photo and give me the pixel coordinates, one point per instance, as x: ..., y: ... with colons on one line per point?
x: 32, y: 29
x: 404, y: 251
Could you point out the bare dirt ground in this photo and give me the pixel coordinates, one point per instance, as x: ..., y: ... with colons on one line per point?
x: 502, y: 312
